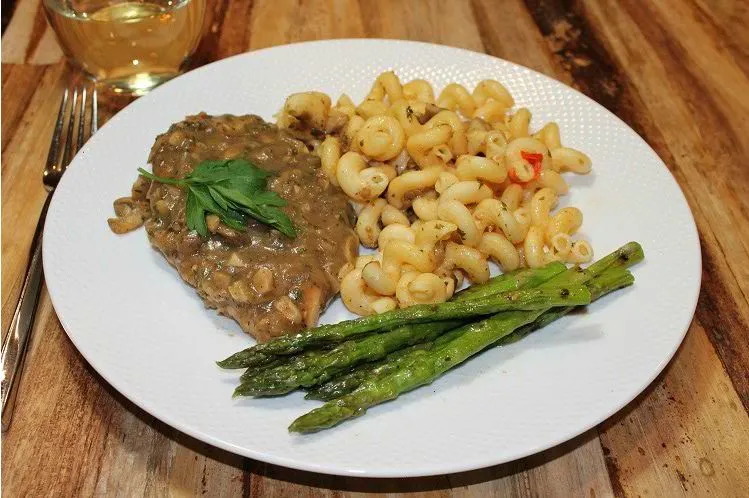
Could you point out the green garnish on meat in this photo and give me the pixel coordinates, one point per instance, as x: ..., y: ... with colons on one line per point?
x: 232, y: 189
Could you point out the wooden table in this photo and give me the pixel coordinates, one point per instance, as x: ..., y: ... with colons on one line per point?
x: 677, y: 71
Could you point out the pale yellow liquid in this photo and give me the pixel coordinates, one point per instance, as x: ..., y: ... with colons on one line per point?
x: 131, y: 46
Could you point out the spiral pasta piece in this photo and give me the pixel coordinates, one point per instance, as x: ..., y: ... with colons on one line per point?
x: 512, y: 196
x: 581, y: 252
x: 423, y: 288
x: 456, y: 212
x: 446, y: 179
x: 307, y: 109
x: 501, y: 250
x: 381, y: 138
x: 495, y: 145
x: 391, y: 215
x: 567, y: 220
x: 345, y: 105
x: 492, y: 212
x: 395, y: 255
x: 387, y: 85
x: 551, y: 179
x: 560, y: 246
x: 542, y: 203
x: 408, y: 112
x: 457, y: 142
x: 480, y: 168
x: 491, y: 111
x: 519, y: 123
x: 355, y: 294
x: 425, y: 207
x: 456, y: 97
x: 367, y: 225
x: 359, y: 181
x: 466, y: 192
x: 526, y: 158
x: 349, y: 132
x: 549, y: 135
x: 476, y: 136
x: 371, y: 108
x: 428, y: 234
x: 567, y: 159
x: 329, y: 153
x: 419, y: 90
x: 421, y: 145
x: 468, y: 259
x: 492, y: 89
x: 410, y: 184
x: 396, y: 232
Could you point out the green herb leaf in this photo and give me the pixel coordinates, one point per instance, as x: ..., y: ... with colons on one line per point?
x: 218, y: 198
x: 232, y: 219
x: 237, y: 171
x: 161, y: 179
x: 269, y: 199
x: 263, y: 212
x: 195, y: 215
x: 231, y: 189
x: 234, y: 195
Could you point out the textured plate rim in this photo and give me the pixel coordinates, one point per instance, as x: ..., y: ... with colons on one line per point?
x: 387, y: 472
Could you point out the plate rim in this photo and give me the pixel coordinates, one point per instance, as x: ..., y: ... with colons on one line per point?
x: 413, y: 470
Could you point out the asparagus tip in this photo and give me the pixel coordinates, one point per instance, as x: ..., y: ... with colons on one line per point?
x: 310, y: 422
x: 296, y: 427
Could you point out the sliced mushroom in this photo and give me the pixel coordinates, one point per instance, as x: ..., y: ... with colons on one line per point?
x: 288, y: 309
x: 240, y: 291
x: 262, y: 281
x: 129, y: 216
x: 311, y: 305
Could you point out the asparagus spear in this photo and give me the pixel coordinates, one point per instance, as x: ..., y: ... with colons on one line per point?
x: 256, y: 369
x: 349, y: 381
x: 314, y: 367
x: 246, y: 358
x: 515, y: 280
x: 524, y: 278
x: 344, y: 384
x: 429, y: 365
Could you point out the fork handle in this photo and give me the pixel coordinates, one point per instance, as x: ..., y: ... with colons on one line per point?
x: 17, y: 336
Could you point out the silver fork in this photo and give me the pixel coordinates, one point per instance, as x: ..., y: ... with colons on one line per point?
x: 72, y: 129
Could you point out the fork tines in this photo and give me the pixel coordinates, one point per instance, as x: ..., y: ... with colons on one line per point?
x: 76, y: 121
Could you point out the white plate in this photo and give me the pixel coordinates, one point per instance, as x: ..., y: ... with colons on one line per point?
x: 148, y: 334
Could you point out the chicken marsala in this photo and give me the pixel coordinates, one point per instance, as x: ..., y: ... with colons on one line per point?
x: 269, y: 283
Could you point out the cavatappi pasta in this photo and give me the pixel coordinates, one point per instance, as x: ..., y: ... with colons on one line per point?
x: 442, y: 186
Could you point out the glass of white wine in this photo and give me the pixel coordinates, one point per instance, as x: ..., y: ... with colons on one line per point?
x: 130, y: 46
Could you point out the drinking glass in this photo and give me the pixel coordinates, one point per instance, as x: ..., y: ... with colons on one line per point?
x: 130, y: 46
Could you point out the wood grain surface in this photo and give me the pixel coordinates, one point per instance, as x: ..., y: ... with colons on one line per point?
x: 677, y: 71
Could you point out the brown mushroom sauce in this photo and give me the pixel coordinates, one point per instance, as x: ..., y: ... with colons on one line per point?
x: 269, y: 283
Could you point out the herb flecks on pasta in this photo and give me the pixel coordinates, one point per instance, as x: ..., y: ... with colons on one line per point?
x: 442, y: 186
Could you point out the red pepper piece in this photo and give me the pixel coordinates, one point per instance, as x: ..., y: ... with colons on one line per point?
x: 534, y: 159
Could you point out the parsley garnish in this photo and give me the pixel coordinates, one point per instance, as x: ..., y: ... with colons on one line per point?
x: 232, y: 190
